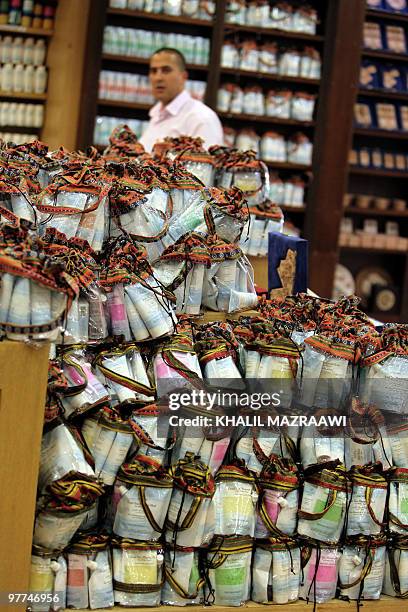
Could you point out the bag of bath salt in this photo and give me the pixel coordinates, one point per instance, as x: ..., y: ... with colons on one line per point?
x: 48, y: 576
x: 61, y: 511
x: 319, y: 444
x: 396, y: 568
x: 138, y: 572
x: 85, y: 391
x: 367, y: 500
x: 278, y: 496
x: 235, y: 501
x: 140, y: 205
x: 242, y: 169
x: 186, y: 190
x: 366, y: 440
x: 226, y: 213
x: 276, y: 571
x: 137, y: 304
x: 176, y: 366
x: 15, y: 198
x: 189, y: 153
x: 324, y: 500
x: 150, y: 424
x: 217, y: 347
x: 89, y: 582
x: 181, y: 269
x: 398, y: 439
x: 320, y: 564
x: 308, y: 376
x: 112, y: 439
x: 228, y: 569
x: 36, y: 290
x: 229, y: 282
x: 183, y: 580
x: 386, y: 379
x: 76, y: 204
x: 263, y: 222
x: 61, y: 454
x: 362, y: 567
x: 124, y: 374
x: 398, y: 501
x: 141, y: 498
x: 190, y: 519
x: 123, y: 143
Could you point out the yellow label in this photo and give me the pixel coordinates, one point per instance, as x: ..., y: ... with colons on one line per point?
x: 41, y: 579
x: 141, y: 568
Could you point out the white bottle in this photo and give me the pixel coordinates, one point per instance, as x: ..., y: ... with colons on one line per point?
x: 7, y: 77
x: 18, y: 78
x: 6, y: 49
x: 20, y: 115
x: 29, y: 115
x: 4, y: 113
x: 28, y: 51
x: 13, y: 113
x: 17, y: 51
x: 38, y: 115
x: 40, y: 51
x: 40, y: 80
x: 29, y: 79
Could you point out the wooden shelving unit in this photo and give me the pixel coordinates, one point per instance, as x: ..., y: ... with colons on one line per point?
x: 387, y: 55
x: 384, y: 93
x: 273, y: 33
x: 22, y: 31
x: 266, y: 76
x: 378, y: 172
x: 386, y: 15
x: 376, y: 133
x: 162, y: 17
x: 266, y: 119
x: 129, y: 59
x: 31, y: 97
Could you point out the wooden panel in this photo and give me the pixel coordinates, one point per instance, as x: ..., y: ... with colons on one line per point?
x: 333, y: 136
x: 66, y: 58
x: 260, y: 266
x: 217, y: 39
x: 23, y: 382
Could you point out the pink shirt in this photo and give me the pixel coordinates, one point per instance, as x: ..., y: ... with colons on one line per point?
x: 182, y: 116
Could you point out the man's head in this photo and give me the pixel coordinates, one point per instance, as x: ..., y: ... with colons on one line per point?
x: 167, y: 74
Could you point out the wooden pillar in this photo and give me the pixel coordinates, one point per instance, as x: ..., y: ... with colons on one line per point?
x: 333, y: 137
x: 217, y: 39
x: 67, y: 56
x: 23, y: 384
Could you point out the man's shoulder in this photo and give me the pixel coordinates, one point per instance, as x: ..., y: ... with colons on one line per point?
x: 197, y: 107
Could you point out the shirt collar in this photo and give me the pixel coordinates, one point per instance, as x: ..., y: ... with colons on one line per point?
x: 173, y: 107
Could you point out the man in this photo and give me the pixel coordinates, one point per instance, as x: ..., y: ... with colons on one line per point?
x: 176, y: 112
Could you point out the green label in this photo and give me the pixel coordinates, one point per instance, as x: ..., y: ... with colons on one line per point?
x: 333, y: 515
x: 233, y: 576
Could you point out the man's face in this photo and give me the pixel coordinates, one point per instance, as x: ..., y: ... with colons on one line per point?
x: 166, y: 77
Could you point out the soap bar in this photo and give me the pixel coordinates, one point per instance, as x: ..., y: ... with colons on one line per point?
x: 395, y: 39
x: 386, y: 116
x: 362, y: 115
x: 372, y: 36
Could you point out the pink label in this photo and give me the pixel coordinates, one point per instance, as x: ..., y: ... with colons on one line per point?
x: 117, y: 312
x: 326, y: 572
x: 162, y: 370
x: 218, y: 453
x: 74, y: 376
x: 271, y: 504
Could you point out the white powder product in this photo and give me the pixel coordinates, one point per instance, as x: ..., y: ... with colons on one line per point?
x: 320, y: 575
x: 359, y: 519
x: 193, y: 534
x: 315, y: 500
x: 120, y: 366
x: 139, y: 329
x: 308, y: 376
x: 193, y: 289
x: 231, y: 580
x: 399, y: 447
x: 137, y: 567
x: 181, y: 570
x: 220, y: 369
x: 330, y: 386
x: 235, y: 508
x: 20, y: 304
x: 131, y: 520
x: 116, y: 456
x: 399, y: 558
x: 242, y: 300
x: 77, y: 584
x: 353, y: 566
x: 54, y: 530
x: 252, y: 361
x: 387, y: 386
x: 225, y: 281
x: 90, y: 431
x: 100, y: 586
x: 356, y: 453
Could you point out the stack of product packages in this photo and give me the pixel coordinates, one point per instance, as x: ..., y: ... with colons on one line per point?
x: 112, y: 258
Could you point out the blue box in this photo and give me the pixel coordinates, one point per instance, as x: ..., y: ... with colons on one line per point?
x: 278, y: 248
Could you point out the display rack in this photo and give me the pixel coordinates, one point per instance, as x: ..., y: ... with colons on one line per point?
x: 380, y: 182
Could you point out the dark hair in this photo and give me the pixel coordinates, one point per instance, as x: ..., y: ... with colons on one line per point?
x: 180, y: 57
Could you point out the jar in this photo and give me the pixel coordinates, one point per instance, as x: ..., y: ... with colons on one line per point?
x: 273, y: 147
x: 302, y: 107
x: 299, y: 149
x: 246, y: 140
x: 281, y: 16
x: 278, y: 104
x: 237, y: 100
x: 224, y: 98
x: 310, y: 65
x: 289, y: 63
x: 268, y: 58
x: 305, y: 20
x: 236, y: 12
x: 276, y: 188
x: 249, y: 56
x: 229, y: 55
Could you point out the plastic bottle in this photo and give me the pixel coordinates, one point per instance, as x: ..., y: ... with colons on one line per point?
x: 17, y: 51
x: 7, y: 77
x: 38, y: 115
x: 20, y: 115
x: 13, y: 113
x: 28, y: 51
x: 29, y: 79
x: 40, y: 51
x: 40, y: 80
x: 4, y: 113
x: 29, y: 115
x: 6, y: 48
x: 18, y: 78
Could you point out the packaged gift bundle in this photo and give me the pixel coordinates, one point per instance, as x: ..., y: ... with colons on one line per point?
x: 320, y: 570
x: 48, y: 575
x: 255, y: 239
x: 176, y: 366
x: 361, y: 567
x: 217, y: 349
x: 396, y: 568
x: 234, y: 501
x: 365, y: 515
x: 226, y: 213
x: 276, y: 571
x: 15, y: 201
x: 150, y: 424
x: 89, y: 572
x: 185, y: 190
x: 123, y: 143
x: 183, y: 584
x: 189, y: 153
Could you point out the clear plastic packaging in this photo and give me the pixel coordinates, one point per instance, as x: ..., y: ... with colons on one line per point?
x: 229, y: 571
x: 183, y: 585
x: 320, y: 573
x: 48, y: 575
x: 367, y: 503
x: 234, y: 502
x: 361, y: 570
x: 276, y: 573
x: 137, y: 572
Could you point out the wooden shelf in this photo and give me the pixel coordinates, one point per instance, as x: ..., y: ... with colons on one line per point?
x: 292, y: 209
x: 129, y: 59
x: 379, y: 172
x: 235, y: 27
x: 287, y: 166
x: 385, y: 604
x: 181, y: 19
x: 387, y: 55
x: 377, y: 133
x: 122, y: 104
x: 265, y: 119
x: 386, y: 15
x: 383, y: 93
x: 14, y: 29
x: 357, y: 249
x: 270, y: 77
x: 22, y: 96
x: 372, y: 212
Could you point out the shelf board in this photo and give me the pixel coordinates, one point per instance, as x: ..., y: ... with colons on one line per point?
x: 380, y: 172
x: 129, y: 59
x: 386, y: 15
x: 357, y: 249
x: 14, y: 29
x: 265, y: 119
x: 383, y: 93
x: 270, y: 77
x: 11, y: 95
x: 387, y: 55
x: 235, y: 27
x: 377, y: 133
x: 292, y: 209
x: 372, y: 212
x: 287, y: 166
x: 181, y: 19
x: 122, y: 104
